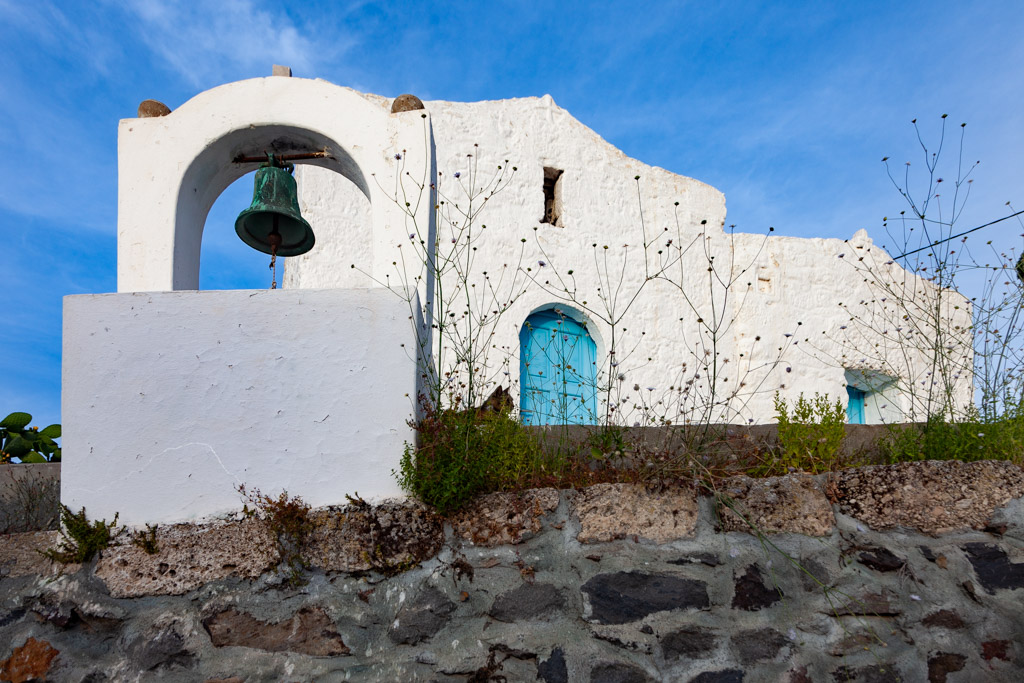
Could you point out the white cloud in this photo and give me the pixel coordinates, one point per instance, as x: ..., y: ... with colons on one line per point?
x: 208, y: 42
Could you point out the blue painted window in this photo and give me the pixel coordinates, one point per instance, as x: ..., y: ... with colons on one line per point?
x: 557, y: 371
x: 854, y: 406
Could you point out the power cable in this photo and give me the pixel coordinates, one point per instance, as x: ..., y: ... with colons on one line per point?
x: 953, y: 237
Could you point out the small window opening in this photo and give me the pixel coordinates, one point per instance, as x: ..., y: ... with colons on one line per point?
x: 552, y: 196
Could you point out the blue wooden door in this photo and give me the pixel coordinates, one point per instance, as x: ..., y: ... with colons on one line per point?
x: 557, y: 371
x: 854, y: 406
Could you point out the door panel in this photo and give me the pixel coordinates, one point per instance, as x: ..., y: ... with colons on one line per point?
x: 854, y: 406
x: 557, y: 371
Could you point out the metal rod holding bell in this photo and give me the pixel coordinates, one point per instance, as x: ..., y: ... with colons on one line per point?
x: 298, y: 156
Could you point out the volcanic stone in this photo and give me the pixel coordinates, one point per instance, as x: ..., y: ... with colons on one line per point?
x: 751, y: 592
x: 310, y: 631
x: 163, y: 646
x: 690, y: 642
x: 422, y: 618
x: 881, y: 560
x: 528, y: 601
x: 611, y: 511
x: 933, y: 497
x: 618, y: 672
x: 505, y: 518
x: 944, y: 618
x: 758, y: 644
x: 29, y: 662
x: 794, y: 503
x: 623, y: 597
x: 993, y: 567
x: 943, y: 664
x: 876, y: 673
x: 553, y: 669
x: 724, y: 676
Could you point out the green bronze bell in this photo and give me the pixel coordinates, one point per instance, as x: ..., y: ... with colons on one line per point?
x: 273, y: 224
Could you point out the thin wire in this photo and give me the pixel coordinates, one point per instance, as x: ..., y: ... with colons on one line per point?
x: 966, y: 232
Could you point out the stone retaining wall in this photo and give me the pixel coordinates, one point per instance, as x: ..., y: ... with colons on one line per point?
x: 911, y: 572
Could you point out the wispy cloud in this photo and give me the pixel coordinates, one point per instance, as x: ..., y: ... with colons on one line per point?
x: 206, y: 42
x: 86, y: 36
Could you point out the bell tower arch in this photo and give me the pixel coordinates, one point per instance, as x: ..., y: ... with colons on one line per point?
x: 172, y: 168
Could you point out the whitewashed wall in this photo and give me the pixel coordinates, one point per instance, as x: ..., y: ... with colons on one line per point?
x: 172, y: 399
x: 783, y: 314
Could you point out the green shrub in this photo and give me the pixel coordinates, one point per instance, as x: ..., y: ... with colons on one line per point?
x: 809, y: 437
x: 80, y: 538
x: 461, y: 454
x: 146, y: 539
x: 973, y: 438
x: 901, y: 443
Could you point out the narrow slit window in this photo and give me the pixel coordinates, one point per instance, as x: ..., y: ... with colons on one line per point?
x: 552, y: 196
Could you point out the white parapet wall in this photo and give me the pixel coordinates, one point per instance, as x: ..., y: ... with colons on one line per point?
x: 173, y: 399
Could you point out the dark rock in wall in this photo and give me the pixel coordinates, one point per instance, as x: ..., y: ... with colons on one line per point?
x: 553, y: 669
x: 623, y: 597
x: 618, y: 672
x: 422, y: 618
x: 995, y: 649
x: 161, y: 646
x: 724, y: 676
x: 799, y: 675
x: 943, y: 664
x: 881, y: 560
x: 944, y: 618
x: 751, y: 592
x: 876, y: 673
x: 11, y: 617
x: 855, y: 642
x: 993, y: 567
x: 813, y: 575
x: 528, y: 601
x: 758, y: 644
x: 310, y: 631
x: 691, y: 642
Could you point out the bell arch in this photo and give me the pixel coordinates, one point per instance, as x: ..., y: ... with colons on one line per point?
x: 207, y: 177
x: 172, y: 168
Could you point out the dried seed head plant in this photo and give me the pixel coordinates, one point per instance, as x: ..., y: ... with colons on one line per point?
x: 456, y: 304
x: 697, y: 279
x: 942, y: 323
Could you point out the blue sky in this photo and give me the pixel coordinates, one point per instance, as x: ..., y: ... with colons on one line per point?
x: 787, y: 108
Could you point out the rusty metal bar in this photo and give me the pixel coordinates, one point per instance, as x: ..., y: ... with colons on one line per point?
x: 282, y: 157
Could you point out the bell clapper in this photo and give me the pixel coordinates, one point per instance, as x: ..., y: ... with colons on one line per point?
x: 274, y: 240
